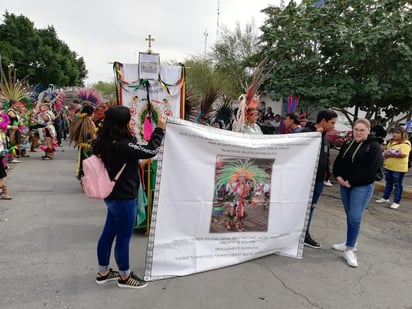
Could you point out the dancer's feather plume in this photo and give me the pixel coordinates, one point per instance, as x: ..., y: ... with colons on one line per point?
x: 250, y: 100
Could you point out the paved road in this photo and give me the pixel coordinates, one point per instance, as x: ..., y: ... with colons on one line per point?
x: 48, y: 256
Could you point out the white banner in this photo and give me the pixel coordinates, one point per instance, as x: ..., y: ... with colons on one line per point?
x: 223, y: 198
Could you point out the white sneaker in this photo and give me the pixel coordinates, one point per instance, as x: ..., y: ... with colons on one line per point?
x: 342, y: 247
x: 328, y: 183
x: 350, y: 258
x: 394, y: 206
x: 15, y: 161
x: 382, y: 200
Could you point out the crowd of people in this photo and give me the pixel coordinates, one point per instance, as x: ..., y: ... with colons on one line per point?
x: 41, y: 124
x: 354, y: 168
x: 27, y: 127
x: 108, y: 132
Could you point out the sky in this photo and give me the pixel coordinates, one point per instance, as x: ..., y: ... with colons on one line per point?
x: 105, y: 31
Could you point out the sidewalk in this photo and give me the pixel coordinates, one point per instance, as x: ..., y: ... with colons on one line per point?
x: 50, y: 229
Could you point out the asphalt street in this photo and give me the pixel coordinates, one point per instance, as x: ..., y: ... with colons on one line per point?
x: 48, y: 255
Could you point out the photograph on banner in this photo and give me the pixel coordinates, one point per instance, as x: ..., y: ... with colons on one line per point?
x: 223, y: 198
x: 149, y: 66
x: 242, y: 194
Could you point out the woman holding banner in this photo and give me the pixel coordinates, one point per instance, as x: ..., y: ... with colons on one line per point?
x: 116, y: 145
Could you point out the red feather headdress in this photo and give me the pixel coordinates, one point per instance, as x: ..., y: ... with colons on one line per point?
x: 250, y: 100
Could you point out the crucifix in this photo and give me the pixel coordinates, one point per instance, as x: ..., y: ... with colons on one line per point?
x: 150, y: 39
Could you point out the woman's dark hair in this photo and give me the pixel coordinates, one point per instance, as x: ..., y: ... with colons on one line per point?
x: 115, y: 128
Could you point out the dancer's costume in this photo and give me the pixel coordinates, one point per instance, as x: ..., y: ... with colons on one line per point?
x: 82, y: 130
x: 250, y: 102
x: 13, y: 134
x: 240, y: 192
x: 46, y: 130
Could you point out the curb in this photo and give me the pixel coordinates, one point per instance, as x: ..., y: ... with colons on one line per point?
x: 380, y: 187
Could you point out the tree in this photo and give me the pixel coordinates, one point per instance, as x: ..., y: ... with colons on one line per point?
x: 38, y: 55
x: 108, y: 90
x: 235, y: 55
x: 342, y: 54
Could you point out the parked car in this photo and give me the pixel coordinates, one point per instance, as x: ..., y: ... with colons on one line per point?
x: 339, y: 135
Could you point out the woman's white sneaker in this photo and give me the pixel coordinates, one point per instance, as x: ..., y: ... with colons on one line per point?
x: 339, y: 247
x: 350, y: 258
x: 382, y: 200
x: 342, y: 247
x: 394, y: 206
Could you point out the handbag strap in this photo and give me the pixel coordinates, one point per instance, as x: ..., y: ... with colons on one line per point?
x: 119, y: 173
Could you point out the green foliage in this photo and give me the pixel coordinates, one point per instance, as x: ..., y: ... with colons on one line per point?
x: 108, y: 90
x: 343, y: 54
x: 228, y: 68
x: 235, y: 55
x: 38, y: 54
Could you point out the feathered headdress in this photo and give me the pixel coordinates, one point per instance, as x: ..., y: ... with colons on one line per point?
x: 47, y: 97
x: 191, y: 105
x: 11, y: 89
x: 222, y: 111
x: 89, y: 95
x: 250, y: 100
x: 292, y: 104
x: 230, y: 173
x: 209, y: 97
x: 60, y: 98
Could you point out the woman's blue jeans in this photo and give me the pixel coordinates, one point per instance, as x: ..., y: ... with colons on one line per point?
x: 393, y: 180
x: 355, y: 200
x: 120, y: 221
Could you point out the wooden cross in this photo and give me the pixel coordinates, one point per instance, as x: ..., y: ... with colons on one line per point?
x: 150, y: 39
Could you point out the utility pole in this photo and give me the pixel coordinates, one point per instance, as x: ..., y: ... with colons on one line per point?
x: 217, y: 19
x: 206, y: 35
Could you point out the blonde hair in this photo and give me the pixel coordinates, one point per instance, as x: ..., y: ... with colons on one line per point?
x: 364, y: 121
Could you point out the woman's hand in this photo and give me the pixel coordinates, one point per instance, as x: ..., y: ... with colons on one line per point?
x: 343, y: 182
x: 161, y: 122
x: 394, y: 154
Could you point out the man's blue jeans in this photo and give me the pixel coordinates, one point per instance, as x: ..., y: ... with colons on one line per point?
x: 355, y: 200
x: 120, y: 221
x: 393, y: 180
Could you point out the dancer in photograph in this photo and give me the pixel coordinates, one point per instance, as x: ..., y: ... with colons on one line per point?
x: 240, y: 178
